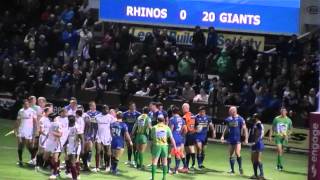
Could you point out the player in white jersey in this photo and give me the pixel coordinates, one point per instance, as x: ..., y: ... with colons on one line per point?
x: 80, y: 127
x: 72, y: 107
x: 53, y: 147
x: 35, y: 140
x: 73, y: 149
x: 104, y: 138
x: 44, y: 125
x: 24, y: 129
x: 63, y: 120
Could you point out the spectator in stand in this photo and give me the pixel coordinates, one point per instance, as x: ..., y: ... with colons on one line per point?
x: 143, y: 92
x: 85, y: 38
x: 198, y: 39
x: 171, y: 74
x: 89, y: 83
x: 67, y: 14
x: 70, y: 36
x: 185, y: 67
x: 202, y: 97
x: 212, y: 39
x: 188, y: 92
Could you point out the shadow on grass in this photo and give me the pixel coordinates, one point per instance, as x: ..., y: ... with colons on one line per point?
x: 294, y: 173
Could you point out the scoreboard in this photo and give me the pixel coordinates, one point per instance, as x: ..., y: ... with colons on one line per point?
x: 258, y: 16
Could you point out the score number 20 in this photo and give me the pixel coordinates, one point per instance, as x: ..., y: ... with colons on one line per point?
x: 206, y: 16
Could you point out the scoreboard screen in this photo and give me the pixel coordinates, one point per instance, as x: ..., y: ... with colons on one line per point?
x: 257, y: 16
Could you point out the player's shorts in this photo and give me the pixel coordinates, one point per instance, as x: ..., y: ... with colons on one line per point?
x: 280, y: 140
x: 234, y: 141
x: 190, y: 140
x: 53, y: 146
x: 74, y: 150
x: 178, y: 139
x: 42, y: 141
x: 26, y: 133
x: 141, y: 139
x: 199, y: 138
x: 257, y: 147
x: 117, y: 144
x: 104, y: 140
x: 90, y: 136
x: 63, y: 140
x: 161, y: 151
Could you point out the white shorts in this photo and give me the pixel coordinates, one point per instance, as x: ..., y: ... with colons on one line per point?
x: 53, y: 146
x: 63, y: 140
x: 42, y: 141
x: 74, y: 150
x: 26, y: 133
x: 105, y: 141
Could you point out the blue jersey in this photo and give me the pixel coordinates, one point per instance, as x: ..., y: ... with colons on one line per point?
x: 118, y: 130
x: 154, y: 116
x: 258, y: 133
x: 91, y: 126
x: 130, y: 118
x: 177, y: 122
x: 202, y: 127
x: 234, y: 126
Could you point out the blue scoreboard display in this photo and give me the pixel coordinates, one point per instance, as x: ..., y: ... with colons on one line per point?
x: 258, y: 16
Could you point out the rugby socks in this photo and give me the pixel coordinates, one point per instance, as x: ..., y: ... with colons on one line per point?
x: 140, y: 159
x: 199, y: 159
x: 136, y: 156
x: 97, y: 160
x: 89, y: 156
x: 39, y: 160
x: 260, y: 169
x: 20, y: 154
x: 232, y: 161
x: 279, y: 160
x: 47, y: 163
x: 54, y: 166
x: 164, y: 172
x: 188, y: 159
x: 239, y: 160
x: 153, y: 171
x: 84, y: 159
x: 129, y: 153
x: 68, y: 166
x: 255, y: 168
x: 73, y: 171
x: 177, y: 163
x: 184, y: 163
x: 203, y: 156
x: 193, y: 157
x: 114, y: 164
x: 107, y: 159
x: 34, y: 151
x: 78, y: 168
x: 169, y: 163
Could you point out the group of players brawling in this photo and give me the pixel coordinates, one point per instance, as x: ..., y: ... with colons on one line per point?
x: 176, y: 133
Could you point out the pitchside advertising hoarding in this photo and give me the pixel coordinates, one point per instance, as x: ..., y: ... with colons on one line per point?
x: 314, y: 147
x: 258, y: 16
x: 185, y: 37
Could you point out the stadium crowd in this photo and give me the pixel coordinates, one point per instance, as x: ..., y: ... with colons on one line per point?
x: 54, y: 43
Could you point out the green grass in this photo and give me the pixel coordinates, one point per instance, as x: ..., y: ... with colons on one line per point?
x: 216, y: 163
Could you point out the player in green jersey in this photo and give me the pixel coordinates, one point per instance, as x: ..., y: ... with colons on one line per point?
x: 281, y: 129
x: 140, y: 133
x: 160, y: 134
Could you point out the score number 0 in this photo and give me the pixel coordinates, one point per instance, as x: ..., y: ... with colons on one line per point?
x: 183, y: 14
